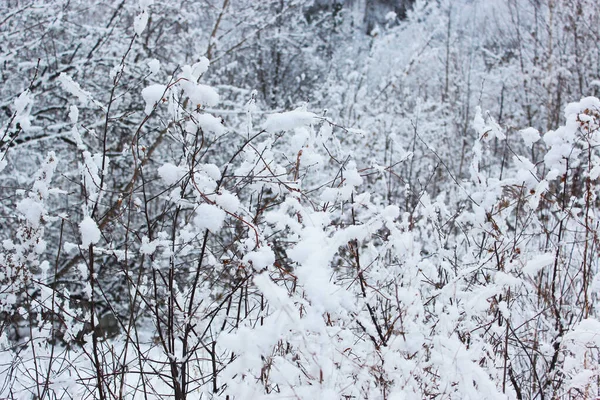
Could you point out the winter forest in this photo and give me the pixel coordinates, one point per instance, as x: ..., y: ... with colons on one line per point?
x: 299, y: 199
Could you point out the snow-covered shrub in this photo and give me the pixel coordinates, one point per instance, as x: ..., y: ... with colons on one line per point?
x: 180, y: 239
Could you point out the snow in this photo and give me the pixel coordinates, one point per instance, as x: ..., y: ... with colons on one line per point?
x: 503, y: 307
x: 90, y: 234
x: 200, y: 95
x: 209, y: 217
x: 171, y: 173
x: 74, y: 114
x: 210, y: 123
x: 337, y: 263
x: 351, y: 176
x: 200, y: 67
x: 587, y: 332
x: 226, y: 200
x: 203, y: 182
x: 73, y: 88
x: 507, y: 280
x: 194, y: 72
x: 90, y: 172
x: 534, y: 265
x: 140, y: 22
x: 211, y: 171
x: 526, y: 171
x: 23, y: 102
x: 144, y: 4
x: 152, y: 95
x: 289, y: 120
x: 581, y: 380
x: 32, y: 207
x: 32, y: 210
x: 275, y: 294
x: 390, y: 16
x: 329, y: 195
x: 391, y: 212
x: 260, y: 258
x: 540, y: 189
x: 489, y: 129
x: 148, y: 247
x: 154, y: 66
x: 575, y: 108
x: 530, y: 136
x: 595, y: 172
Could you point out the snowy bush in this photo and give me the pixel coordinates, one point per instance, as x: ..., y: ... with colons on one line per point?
x: 170, y: 232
